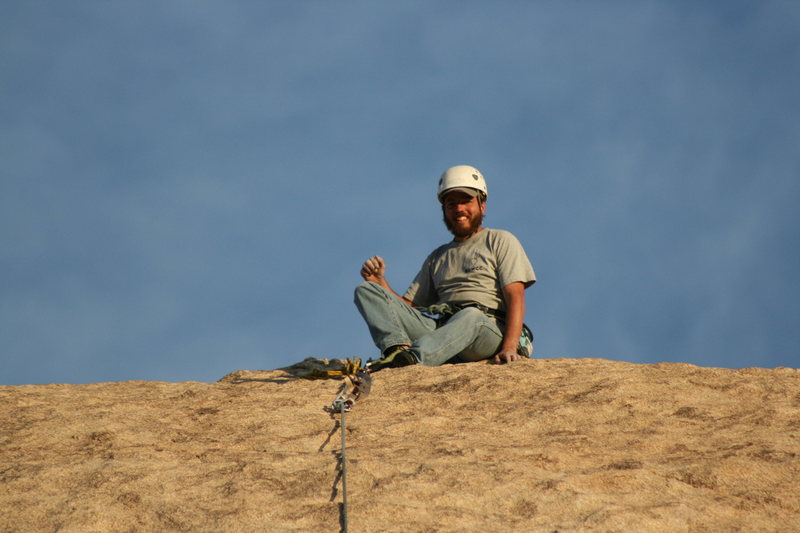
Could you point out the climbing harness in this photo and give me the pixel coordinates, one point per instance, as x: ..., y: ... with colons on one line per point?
x: 444, y: 312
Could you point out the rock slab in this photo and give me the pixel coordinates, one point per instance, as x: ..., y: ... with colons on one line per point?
x: 538, y: 445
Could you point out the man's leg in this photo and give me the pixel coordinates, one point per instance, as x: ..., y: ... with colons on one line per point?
x: 391, y: 321
x: 469, y: 334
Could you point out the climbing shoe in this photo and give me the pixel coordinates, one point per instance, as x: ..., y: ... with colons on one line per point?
x: 393, y: 359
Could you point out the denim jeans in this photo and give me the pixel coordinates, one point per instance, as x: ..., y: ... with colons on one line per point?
x: 469, y: 335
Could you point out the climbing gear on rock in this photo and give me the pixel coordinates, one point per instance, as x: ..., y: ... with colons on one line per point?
x: 350, y: 367
x: 314, y: 368
x: 357, y: 384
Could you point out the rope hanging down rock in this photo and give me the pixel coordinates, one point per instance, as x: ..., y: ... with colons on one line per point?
x: 358, y: 383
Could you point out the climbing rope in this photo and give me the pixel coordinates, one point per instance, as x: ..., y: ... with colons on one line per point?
x: 357, y: 384
x: 342, y: 410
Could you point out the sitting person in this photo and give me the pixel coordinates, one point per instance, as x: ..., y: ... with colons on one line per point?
x: 467, y: 303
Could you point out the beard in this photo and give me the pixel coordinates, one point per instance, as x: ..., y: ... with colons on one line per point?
x: 459, y: 232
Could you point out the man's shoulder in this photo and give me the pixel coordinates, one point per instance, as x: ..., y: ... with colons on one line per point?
x: 439, y: 250
x: 497, y: 232
x: 499, y: 235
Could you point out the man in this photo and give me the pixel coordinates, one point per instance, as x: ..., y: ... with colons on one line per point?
x: 467, y: 303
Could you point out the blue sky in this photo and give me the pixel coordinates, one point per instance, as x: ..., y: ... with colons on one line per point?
x: 189, y: 188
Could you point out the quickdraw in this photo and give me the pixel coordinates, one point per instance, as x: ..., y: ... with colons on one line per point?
x: 357, y: 383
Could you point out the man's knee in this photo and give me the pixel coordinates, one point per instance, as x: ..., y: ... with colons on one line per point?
x: 370, y: 293
x: 365, y: 289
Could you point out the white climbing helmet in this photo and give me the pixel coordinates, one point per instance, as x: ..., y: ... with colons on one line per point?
x: 464, y: 178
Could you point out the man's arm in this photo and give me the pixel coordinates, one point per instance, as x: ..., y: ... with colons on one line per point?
x: 514, y: 295
x: 374, y: 269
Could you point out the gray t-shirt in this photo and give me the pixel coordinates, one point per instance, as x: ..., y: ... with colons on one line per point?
x: 474, y: 270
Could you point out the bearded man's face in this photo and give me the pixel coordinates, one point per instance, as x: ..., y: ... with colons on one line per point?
x: 463, y: 214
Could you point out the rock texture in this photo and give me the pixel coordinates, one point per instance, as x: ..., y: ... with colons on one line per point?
x: 539, y: 445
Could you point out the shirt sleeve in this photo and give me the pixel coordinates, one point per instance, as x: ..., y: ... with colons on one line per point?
x: 513, y: 264
x: 422, y: 291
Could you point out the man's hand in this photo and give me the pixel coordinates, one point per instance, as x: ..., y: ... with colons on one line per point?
x: 506, y: 356
x: 374, y: 269
x: 514, y: 295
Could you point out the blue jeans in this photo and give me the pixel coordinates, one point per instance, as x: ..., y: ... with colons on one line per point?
x: 469, y: 335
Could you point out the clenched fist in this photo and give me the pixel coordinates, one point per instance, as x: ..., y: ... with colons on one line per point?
x: 373, y: 269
